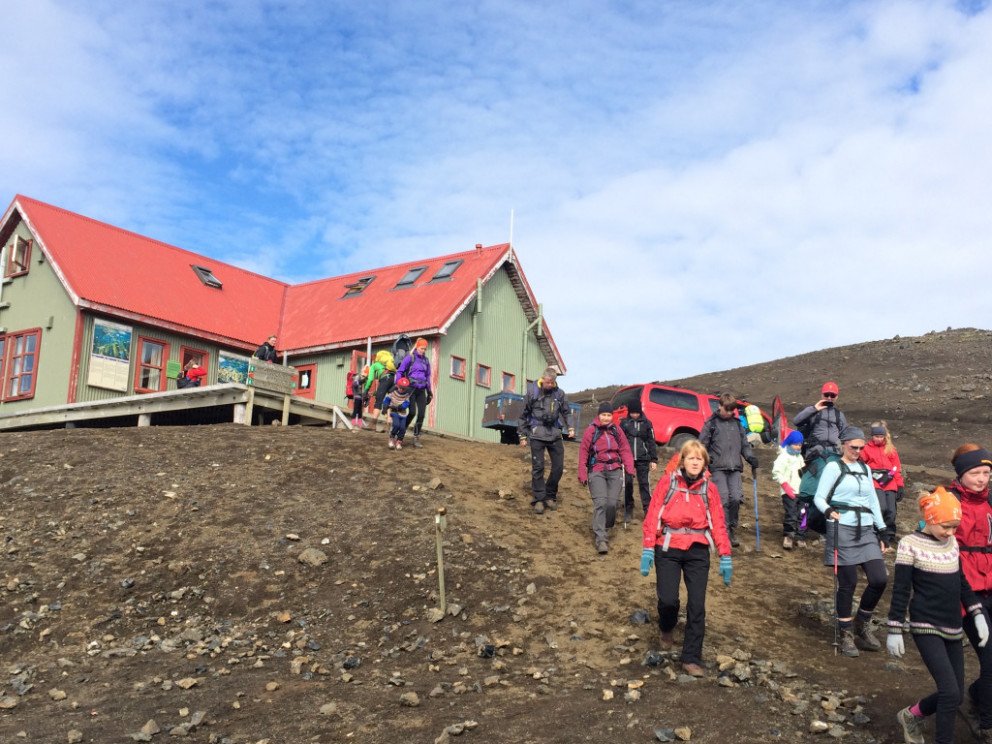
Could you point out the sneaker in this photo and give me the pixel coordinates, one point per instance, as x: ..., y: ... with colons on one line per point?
x: 847, y: 645
x: 693, y: 670
x: 667, y: 641
x: 912, y: 727
x: 800, y: 543
x: 416, y: 442
x: 539, y: 507
x: 551, y: 504
x: 399, y: 444
x: 602, y: 548
x: 392, y: 442
x: 787, y: 542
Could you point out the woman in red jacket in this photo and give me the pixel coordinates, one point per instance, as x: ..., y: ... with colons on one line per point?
x: 684, y: 521
x: 880, y: 455
x: 973, y: 465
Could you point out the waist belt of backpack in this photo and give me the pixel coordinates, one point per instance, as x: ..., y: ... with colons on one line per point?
x: 847, y: 507
x: 669, y: 531
x: 975, y: 548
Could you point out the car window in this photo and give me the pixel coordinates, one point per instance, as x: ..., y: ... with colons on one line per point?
x: 627, y: 396
x: 674, y: 399
x: 714, y: 404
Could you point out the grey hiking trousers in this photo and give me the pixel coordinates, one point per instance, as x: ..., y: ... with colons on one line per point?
x: 605, y: 487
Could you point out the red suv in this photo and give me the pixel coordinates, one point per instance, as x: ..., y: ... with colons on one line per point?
x: 677, y: 414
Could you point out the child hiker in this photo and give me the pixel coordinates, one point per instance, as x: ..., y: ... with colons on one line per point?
x: 358, y: 397
x: 397, y: 403
x: 880, y: 455
x: 929, y: 581
x: 785, y: 471
x: 685, y: 520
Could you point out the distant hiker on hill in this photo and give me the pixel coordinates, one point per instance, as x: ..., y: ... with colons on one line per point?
x: 726, y: 444
x: 397, y: 404
x: 684, y: 521
x: 417, y: 369
x: 267, y: 351
x: 930, y: 585
x: 545, y: 413
x: 846, y: 497
x: 640, y: 437
x: 880, y: 455
x: 821, y: 423
x: 785, y: 471
x: 604, y: 456
x: 973, y: 466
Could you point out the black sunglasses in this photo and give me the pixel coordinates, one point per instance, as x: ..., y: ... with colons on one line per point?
x: 830, y: 395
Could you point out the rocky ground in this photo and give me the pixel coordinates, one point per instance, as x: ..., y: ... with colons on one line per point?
x: 227, y: 584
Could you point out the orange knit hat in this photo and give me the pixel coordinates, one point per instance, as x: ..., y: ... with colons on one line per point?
x: 940, y: 507
x: 420, y: 343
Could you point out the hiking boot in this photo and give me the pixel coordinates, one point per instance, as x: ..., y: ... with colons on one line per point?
x: 912, y: 727
x: 693, y: 670
x: 601, y: 547
x: 800, y: 543
x: 734, y: 542
x: 628, y: 516
x: 969, y: 712
x: 416, y: 442
x: 847, y: 645
x: 984, y: 735
x: 551, y: 504
x: 666, y: 641
x: 539, y: 507
x: 787, y: 542
x: 866, y: 635
x: 392, y: 442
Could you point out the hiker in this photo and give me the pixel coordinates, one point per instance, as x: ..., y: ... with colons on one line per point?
x: 604, y: 457
x: 929, y: 583
x: 880, y: 455
x: 358, y: 397
x: 846, y: 497
x: 545, y: 412
x: 821, y: 423
x: 684, y: 521
x: 417, y: 369
x: 376, y: 370
x: 726, y: 443
x: 785, y: 471
x: 397, y: 403
x: 973, y: 467
x: 640, y: 437
x: 192, y: 375
x: 267, y: 351
x: 385, y: 382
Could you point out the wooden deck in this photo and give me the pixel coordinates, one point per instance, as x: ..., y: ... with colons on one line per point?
x: 142, y: 408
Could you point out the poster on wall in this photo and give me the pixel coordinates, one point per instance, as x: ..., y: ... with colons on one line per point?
x: 232, y: 368
x: 110, y: 356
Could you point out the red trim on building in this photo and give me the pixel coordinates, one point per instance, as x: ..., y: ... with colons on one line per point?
x: 77, y: 344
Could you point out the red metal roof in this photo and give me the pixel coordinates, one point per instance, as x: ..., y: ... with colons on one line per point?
x: 122, y: 273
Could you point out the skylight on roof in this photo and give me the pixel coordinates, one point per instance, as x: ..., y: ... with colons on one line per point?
x: 447, y: 270
x: 206, y: 276
x: 411, y: 276
x: 356, y: 288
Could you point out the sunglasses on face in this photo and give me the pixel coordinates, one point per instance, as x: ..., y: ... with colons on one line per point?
x: 856, y: 448
x: 830, y: 395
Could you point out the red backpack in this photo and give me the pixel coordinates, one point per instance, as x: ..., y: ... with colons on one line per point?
x: 348, y: 382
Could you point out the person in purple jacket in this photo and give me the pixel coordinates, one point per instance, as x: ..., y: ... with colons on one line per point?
x: 604, y: 457
x: 416, y: 367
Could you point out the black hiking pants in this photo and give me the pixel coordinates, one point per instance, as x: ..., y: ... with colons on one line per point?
x: 794, y: 517
x: 670, y: 566
x: 945, y: 661
x: 418, y: 408
x: 545, y: 490
x: 887, y: 503
x: 847, y: 581
x: 980, y: 691
x: 643, y: 469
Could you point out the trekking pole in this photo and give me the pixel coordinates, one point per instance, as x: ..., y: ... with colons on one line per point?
x: 440, y: 522
x: 757, y: 524
x: 836, y: 617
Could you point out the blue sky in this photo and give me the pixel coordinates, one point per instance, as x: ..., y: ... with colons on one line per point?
x: 695, y: 185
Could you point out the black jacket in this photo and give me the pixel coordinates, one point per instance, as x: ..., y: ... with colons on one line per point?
x: 544, y: 415
x: 640, y: 435
x: 266, y: 352
x: 726, y: 442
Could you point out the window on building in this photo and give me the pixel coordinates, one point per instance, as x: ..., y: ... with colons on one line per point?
x: 18, y: 257
x: 207, y: 276
x: 457, y: 368
x: 152, y: 356
x: 411, y: 276
x: 20, y: 368
x: 356, y: 288
x: 188, y: 354
x: 509, y: 383
x: 446, y: 271
x: 483, y: 375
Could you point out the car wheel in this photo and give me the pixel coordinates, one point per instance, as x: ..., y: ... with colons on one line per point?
x: 679, y: 439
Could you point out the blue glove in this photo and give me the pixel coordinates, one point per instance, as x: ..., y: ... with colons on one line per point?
x: 647, y: 560
x: 404, y: 405
x: 726, y: 568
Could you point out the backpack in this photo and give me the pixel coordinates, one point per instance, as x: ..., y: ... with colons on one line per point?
x: 349, y: 382
x: 596, y: 434
x: 673, y: 487
x: 817, y: 520
x: 806, y: 428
